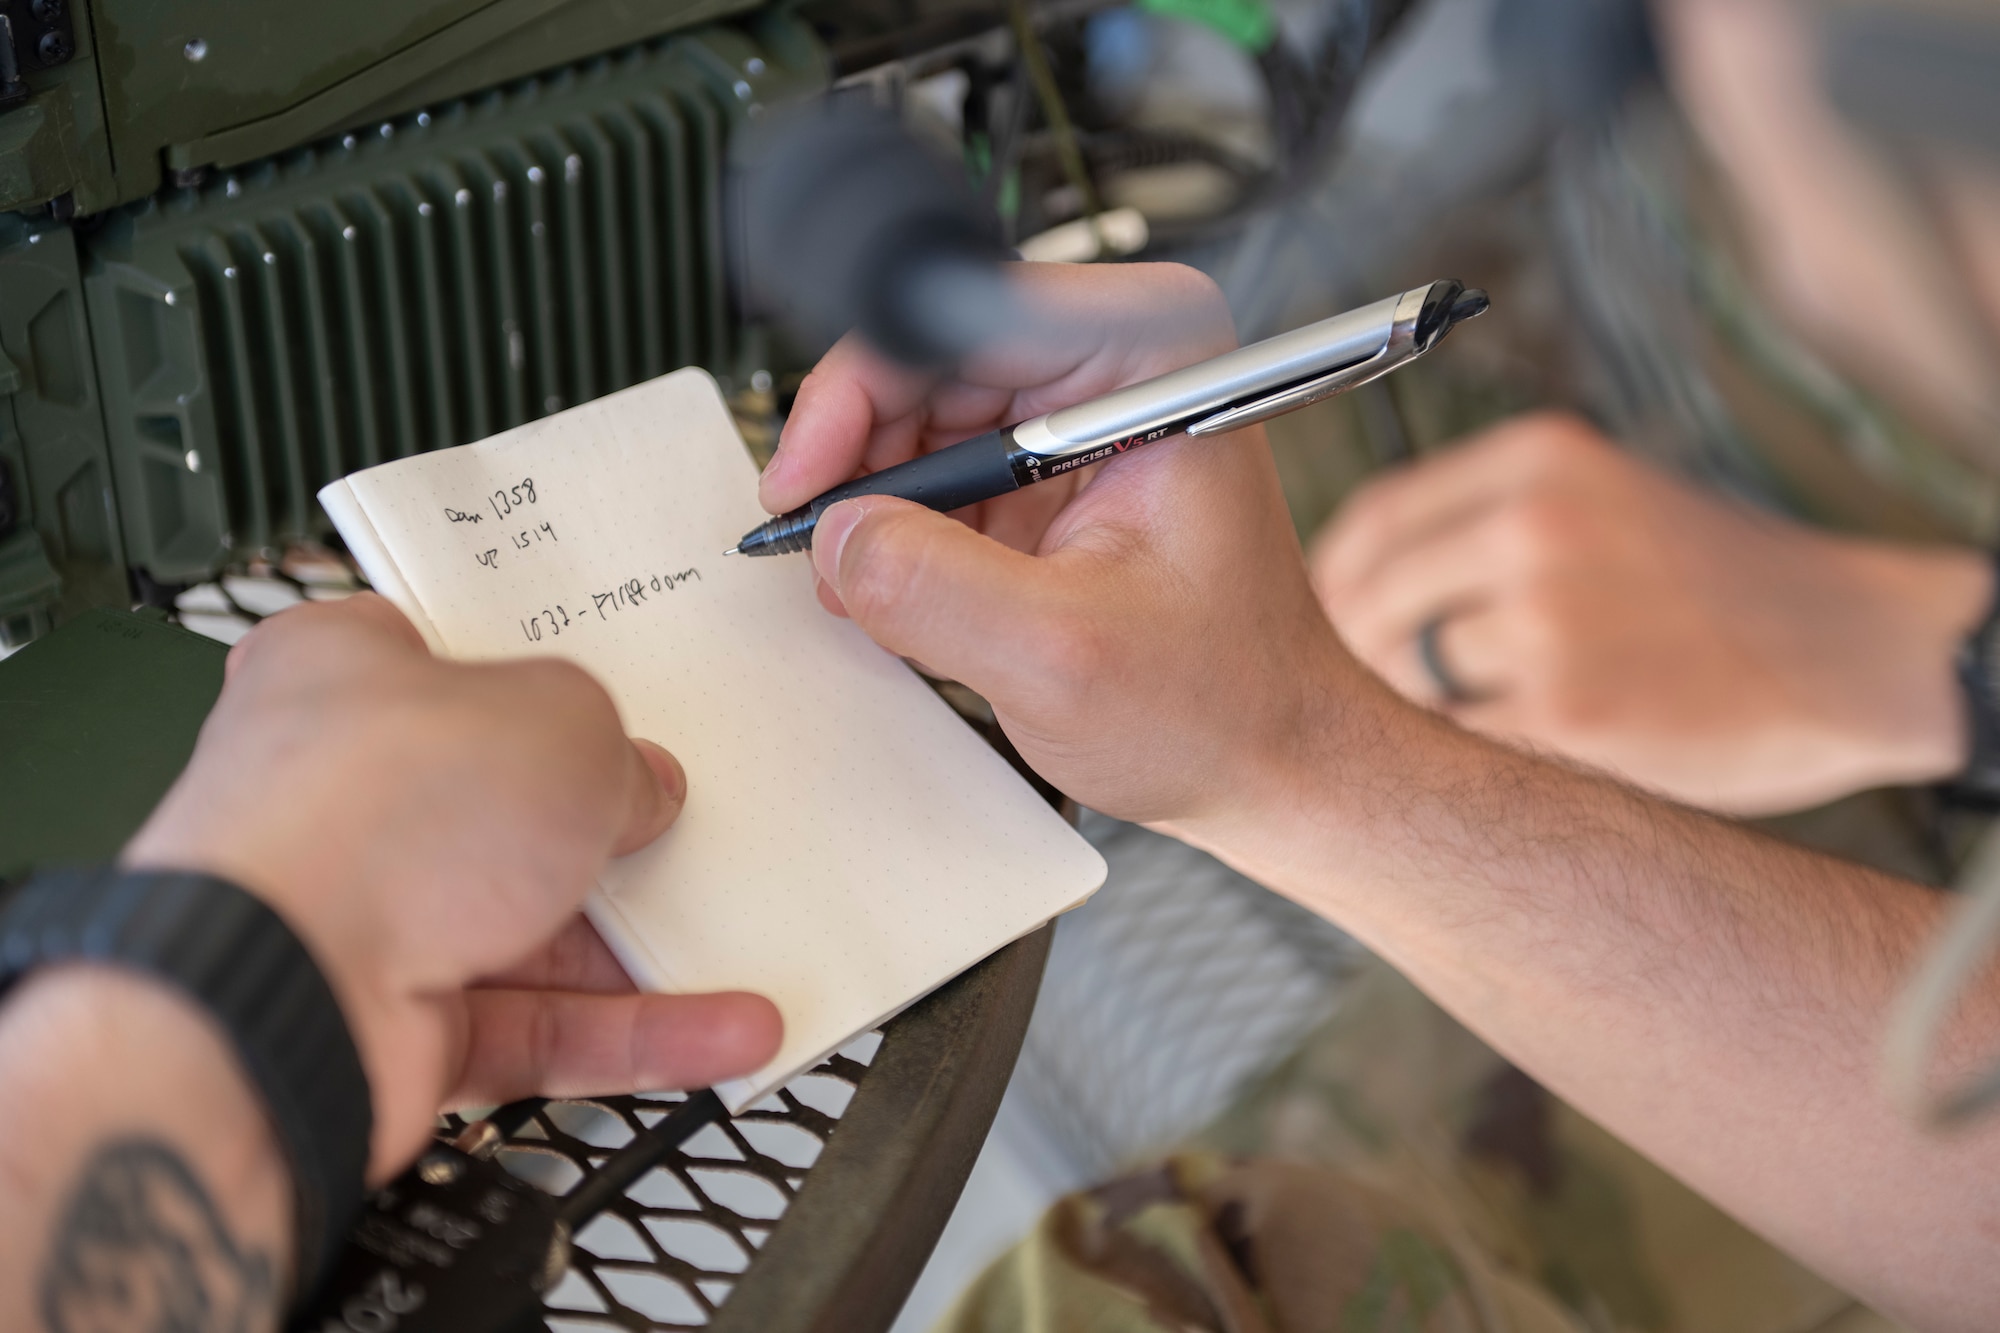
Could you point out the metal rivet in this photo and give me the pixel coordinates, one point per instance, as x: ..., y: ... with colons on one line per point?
x: 232, y: 187
x: 463, y: 198
x: 196, y: 50
x: 348, y: 141
x: 753, y: 67
x: 172, y: 299
x: 35, y: 239
x: 229, y: 272
x: 438, y: 1169
x: 423, y: 210
x: 537, y: 229
x: 499, y: 189
x: 551, y: 404
x: 387, y: 131
x: 423, y: 118
x: 743, y: 90
x: 573, y: 167
x: 535, y: 175
x: 193, y: 461
x: 348, y: 232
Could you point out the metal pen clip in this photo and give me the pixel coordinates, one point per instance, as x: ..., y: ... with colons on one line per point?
x: 1402, y: 346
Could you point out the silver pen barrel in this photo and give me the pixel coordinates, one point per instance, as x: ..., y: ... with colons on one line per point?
x: 1171, y: 401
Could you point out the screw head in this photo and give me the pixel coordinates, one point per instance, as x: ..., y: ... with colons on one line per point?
x: 196, y: 50
x: 48, y: 11
x: 438, y: 1169
x: 54, y: 48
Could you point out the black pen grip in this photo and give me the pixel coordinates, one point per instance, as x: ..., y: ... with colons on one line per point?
x: 953, y: 477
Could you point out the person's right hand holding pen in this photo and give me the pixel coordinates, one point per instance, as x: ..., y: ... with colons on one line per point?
x: 1149, y: 640
x: 1031, y: 597
x: 1213, y: 397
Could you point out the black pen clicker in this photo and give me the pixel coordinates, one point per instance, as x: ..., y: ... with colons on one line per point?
x: 1239, y: 388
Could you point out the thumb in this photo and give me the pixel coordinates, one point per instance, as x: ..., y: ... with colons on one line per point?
x: 928, y: 587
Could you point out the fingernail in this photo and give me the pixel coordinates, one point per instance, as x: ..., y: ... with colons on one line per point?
x: 777, y: 452
x: 830, y: 535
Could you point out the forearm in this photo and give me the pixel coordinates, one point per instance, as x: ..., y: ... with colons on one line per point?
x: 1713, y: 996
x: 142, y: 1185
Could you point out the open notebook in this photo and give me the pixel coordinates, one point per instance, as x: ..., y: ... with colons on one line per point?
x: 848, y: 843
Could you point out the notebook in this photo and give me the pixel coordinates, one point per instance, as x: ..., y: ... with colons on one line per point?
x: 848, y: 844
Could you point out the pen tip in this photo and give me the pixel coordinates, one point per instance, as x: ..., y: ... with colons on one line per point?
x: 732, y: 550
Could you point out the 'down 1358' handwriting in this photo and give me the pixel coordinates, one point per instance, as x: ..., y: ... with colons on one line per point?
x: 627, y: 595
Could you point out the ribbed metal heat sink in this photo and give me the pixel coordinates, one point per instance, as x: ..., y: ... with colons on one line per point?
x: 424, y: 282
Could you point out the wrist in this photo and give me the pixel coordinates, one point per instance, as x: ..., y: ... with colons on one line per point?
x: 1914, y: 726
x: 1317, y: 781
x: 347, y: 949
x: 329, y: 917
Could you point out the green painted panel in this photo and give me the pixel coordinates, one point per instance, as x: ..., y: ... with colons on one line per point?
x: 96, y: 721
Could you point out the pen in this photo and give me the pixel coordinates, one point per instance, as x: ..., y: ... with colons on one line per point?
x: 1239, y: 388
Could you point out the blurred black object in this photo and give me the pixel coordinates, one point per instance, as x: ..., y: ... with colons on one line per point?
x: 844, y: 219
x: 453, y: 1245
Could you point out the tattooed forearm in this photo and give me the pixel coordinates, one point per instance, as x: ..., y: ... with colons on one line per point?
x: 140, y: 1247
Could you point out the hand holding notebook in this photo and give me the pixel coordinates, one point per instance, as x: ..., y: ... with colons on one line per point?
x: 848, y: 843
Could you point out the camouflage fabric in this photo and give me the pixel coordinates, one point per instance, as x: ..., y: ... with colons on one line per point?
x: 1396, y: 1176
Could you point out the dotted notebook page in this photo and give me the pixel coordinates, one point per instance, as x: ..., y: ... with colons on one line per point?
x: 848, y: 843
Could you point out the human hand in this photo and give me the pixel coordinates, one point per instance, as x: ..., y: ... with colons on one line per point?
x: 429, y: 829
x: 1594, y: 606
x: 1147, y: 636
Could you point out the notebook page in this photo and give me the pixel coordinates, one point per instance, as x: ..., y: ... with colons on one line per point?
x: 848, y: 843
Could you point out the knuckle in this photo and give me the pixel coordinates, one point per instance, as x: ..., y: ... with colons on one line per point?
x: 1554, y: 440
x: 1567, y: 713
x: 1538, y: 622
x: 1187, y: 286
x: 1537, y: 531
x: 1199, y: 300
x: 561, y: 691
x: 561, y: 679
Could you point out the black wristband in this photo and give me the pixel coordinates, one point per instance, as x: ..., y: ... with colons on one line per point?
x: 238, y: 960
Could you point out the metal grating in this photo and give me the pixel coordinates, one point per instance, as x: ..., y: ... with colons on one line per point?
x: 669, y: 1254
x: 424, y: 282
